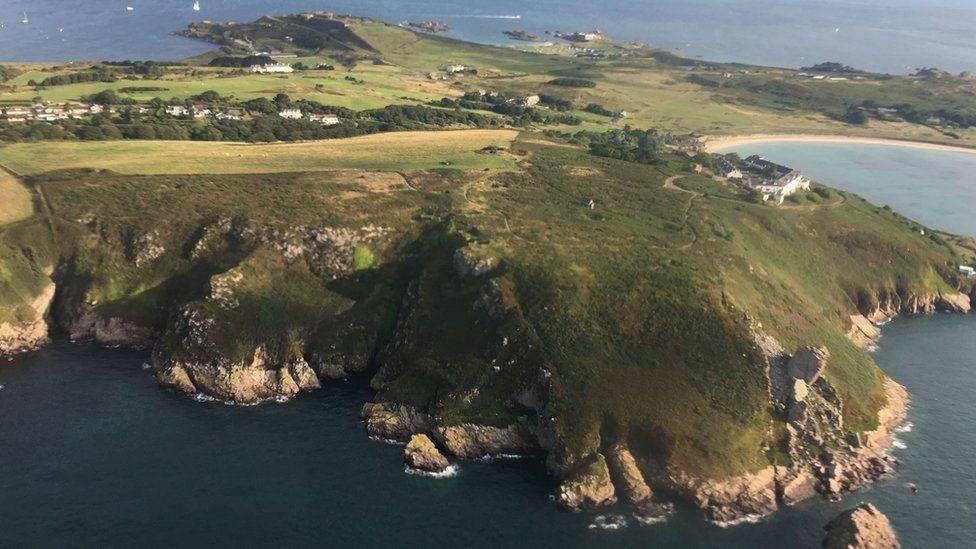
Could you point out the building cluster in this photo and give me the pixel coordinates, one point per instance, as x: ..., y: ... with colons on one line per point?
x: 54, y: 113
x: 276, y: 68
x: 773, y: 181
x: 49, y: 112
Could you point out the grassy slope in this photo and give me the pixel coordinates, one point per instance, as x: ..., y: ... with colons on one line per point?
x: 403, y: 150
x: 15, y: 199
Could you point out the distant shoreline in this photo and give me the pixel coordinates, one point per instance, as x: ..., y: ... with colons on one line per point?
x: 719, y: 143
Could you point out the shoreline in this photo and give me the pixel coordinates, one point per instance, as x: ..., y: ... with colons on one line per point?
x: 724, y: 143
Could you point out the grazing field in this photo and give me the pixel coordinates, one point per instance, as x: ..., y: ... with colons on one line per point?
x: 389, y: 151
x: 15, y: 199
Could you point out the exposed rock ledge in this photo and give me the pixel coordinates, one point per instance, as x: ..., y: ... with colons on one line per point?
x: 26, y: 335
x: 863, y: 527
x: 864, y: 327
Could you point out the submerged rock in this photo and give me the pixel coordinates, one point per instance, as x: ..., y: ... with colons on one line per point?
x: 589, y: 486
x: 420, y: 453
x: 863, y: 527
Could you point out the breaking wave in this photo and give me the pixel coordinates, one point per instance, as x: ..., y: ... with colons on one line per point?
x: 451, y: 471
x: 608, y: 522
x: 748, y: 519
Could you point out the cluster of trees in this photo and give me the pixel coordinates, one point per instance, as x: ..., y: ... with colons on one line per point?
x: 628, y: 144
x: 596, y: 108
x: 152, y: 69
x: 233, y: 61
x: 959, y: 117
x: 95, y: 75
x: 506, y: 106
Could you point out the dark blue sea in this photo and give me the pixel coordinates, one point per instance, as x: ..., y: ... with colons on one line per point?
x: 894, y: 36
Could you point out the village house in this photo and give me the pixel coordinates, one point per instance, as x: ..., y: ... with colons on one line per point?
x: 528, y: 101
x: 967, y: 271
x: 291, y: 114
x: 324, y: 119
x: 776, y: 181
x: 231, y: 114
x: 17, y: 114
x: 201, y: 111
x: 176, y: 110
x: 267, y: 69
x: 727, y: 169
x: 455, y: 69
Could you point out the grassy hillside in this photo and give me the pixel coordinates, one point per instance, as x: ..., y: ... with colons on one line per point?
x: 15, y: 199
x: 627, y: 319
x: 390, y: 151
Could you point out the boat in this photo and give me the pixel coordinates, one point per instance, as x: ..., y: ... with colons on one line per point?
x: 25, y: 20
x: 196, y: 6
x: 129, y: 8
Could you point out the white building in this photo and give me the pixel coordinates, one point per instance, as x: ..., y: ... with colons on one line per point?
x: 529, y: 101
x: 201, y: 111
x: 454, y: 69
x: 177, y: 110
x: 276, y: 68
x: 777, y: 181
x: 967, y: 271
x: 324, y: 119
x: 291, y: 114
x: 727, y: 169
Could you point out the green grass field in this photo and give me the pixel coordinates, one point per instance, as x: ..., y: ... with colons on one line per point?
x: 389, y: 151
x: 15, y: 199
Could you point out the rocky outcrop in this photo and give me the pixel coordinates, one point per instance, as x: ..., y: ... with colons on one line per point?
x: 476, y: 441
x: 627, y: 478
x: 109, y: 330
x: 863, y: 332
x: 394, y: 421
x: 241, y: 382
x: 30, y: 333
x: 863, y: 527
x: 420, y: 453
x: 723, y: 500
x: 189, y: 360
x: 588, y: 486
x: 808, y: 364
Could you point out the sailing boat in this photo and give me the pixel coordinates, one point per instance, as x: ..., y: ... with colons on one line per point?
x: 196, y: 6
x: 25, y: 20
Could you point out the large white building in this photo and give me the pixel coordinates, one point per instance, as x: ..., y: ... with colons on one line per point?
x: 276, y: 68
x: 291, y: 114
x: 777, y: 181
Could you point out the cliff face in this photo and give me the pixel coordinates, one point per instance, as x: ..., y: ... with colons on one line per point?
x: 28, y: 334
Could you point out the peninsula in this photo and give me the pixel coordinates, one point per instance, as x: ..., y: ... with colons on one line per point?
x: 526, y: 250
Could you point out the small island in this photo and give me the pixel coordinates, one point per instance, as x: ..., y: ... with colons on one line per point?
x: 521, y: 36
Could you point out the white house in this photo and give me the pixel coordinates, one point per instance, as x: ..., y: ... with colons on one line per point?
x: 276, y: 68
x: 201, y: 111
x: 177, y: 110
x: 967, y: 271
x: 324, y: 119
x: 454, y: 69
x: 291, y: 114
x: 529, y: 101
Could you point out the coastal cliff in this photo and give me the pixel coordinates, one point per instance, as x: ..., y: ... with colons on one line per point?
x: 639, y: 346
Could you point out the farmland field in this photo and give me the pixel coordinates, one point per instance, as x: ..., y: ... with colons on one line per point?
x: 390, y: 151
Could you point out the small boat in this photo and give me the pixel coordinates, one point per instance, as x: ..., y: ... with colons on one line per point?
x: 129, y: 8
x: 25, y: 20
x: 196, y: 6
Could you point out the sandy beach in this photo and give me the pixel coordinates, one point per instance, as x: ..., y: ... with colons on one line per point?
x: 720, y: 143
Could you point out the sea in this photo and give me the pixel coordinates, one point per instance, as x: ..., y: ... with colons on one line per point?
x: 94, y: 453
x: 891, y: 36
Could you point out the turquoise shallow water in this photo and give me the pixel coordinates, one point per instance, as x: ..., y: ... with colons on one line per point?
x: 92, y: 452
